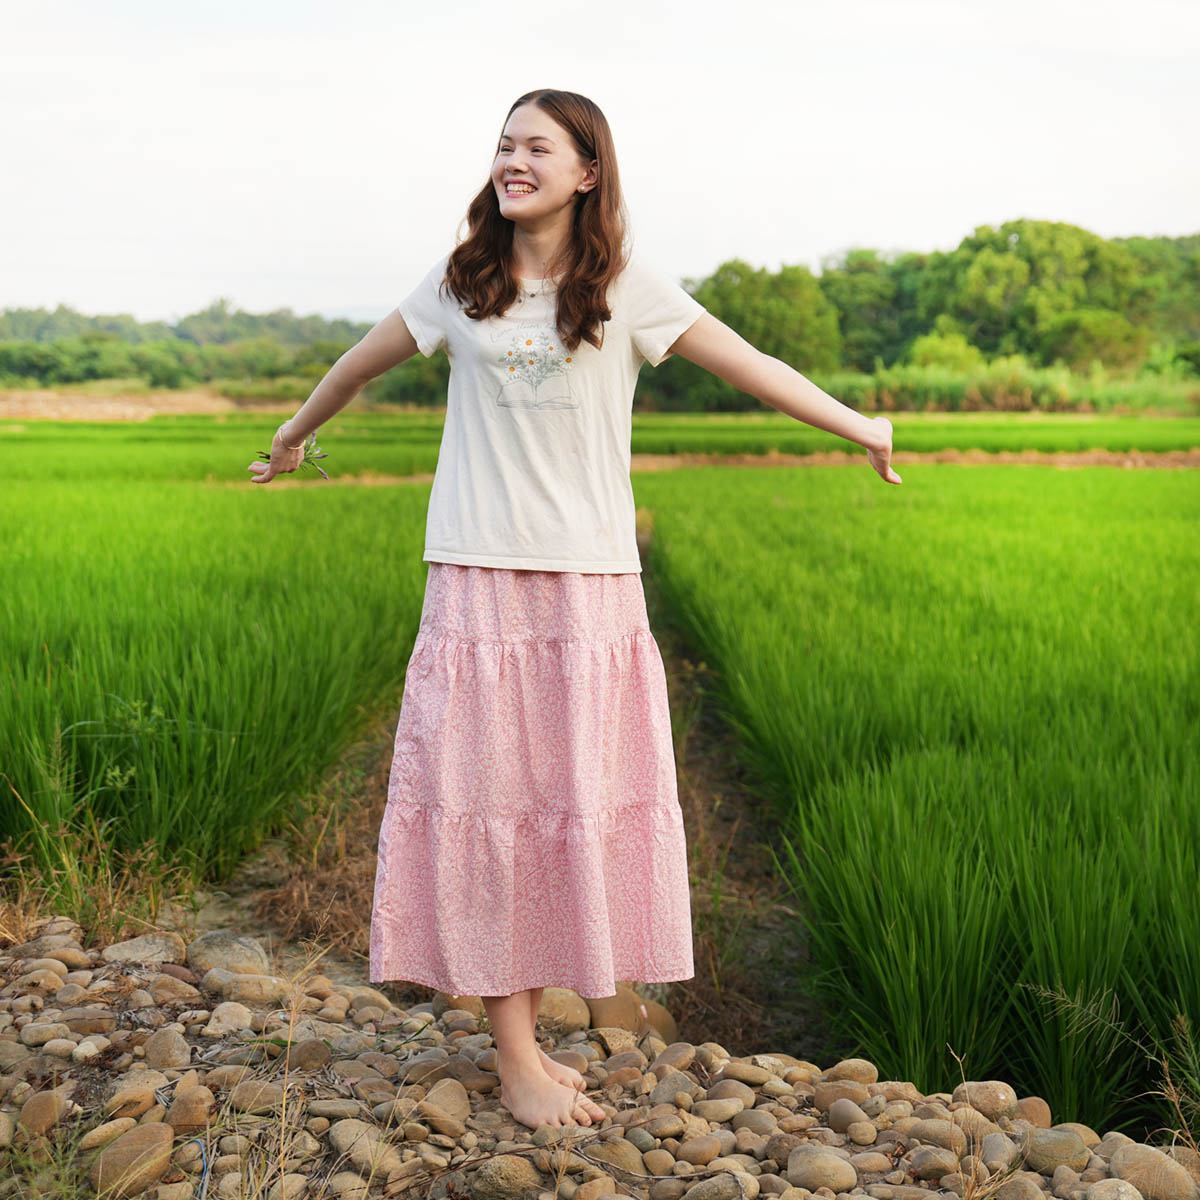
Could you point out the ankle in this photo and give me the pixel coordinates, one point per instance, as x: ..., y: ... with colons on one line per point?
x: 519, y: 1059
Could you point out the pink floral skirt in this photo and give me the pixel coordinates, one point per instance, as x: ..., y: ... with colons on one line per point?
x: 533, y: 835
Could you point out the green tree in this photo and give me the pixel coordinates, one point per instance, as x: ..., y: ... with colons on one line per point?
x: 1005, y: 286
x: 1079, y: 337
x: 863, y: 289
x: 944, y: 350
x: 785, y: 315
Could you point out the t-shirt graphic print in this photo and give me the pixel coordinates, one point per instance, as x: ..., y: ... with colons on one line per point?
x: 533, y: 468
x: 536, y: 368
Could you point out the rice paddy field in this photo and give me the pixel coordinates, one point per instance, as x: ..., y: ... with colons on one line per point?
x: 972, y: 700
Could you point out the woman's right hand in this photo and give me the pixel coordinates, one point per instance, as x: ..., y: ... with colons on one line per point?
x: 880, y: 456
x: 284, y: 460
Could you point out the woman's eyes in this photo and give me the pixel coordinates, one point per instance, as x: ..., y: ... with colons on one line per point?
x: 505, y: 149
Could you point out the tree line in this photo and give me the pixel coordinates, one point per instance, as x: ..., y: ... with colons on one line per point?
x: 1027, y: 294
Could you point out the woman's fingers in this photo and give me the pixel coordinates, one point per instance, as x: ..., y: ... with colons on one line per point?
x: 881, y: 459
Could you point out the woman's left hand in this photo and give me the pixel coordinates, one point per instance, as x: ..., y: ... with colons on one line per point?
x: 880, y: 457
x: 284, y: 460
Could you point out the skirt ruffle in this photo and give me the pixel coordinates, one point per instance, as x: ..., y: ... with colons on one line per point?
x: 533, y: 835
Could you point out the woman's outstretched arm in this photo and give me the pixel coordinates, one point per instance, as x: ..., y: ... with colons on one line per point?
x: 711, y: 344
x: 385, y: 346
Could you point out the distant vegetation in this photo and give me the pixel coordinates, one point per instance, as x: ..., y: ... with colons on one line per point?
x: 1033, y: 314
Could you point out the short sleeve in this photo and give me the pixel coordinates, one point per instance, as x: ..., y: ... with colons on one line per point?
x: 656, y: 310
x: 424, y: 310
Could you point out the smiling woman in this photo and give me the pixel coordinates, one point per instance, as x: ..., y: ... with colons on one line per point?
x: 534, y: 732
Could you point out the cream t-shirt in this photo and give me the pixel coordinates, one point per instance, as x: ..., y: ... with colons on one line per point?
x: 533, y: 469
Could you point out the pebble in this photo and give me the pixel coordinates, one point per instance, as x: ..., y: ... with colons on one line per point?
x: 158, y: 1046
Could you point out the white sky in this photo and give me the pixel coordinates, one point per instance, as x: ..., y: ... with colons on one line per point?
x: 321, y: 156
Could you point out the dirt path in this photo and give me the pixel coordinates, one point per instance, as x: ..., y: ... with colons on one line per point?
x: 1129, y: 459
x: 844, y: 458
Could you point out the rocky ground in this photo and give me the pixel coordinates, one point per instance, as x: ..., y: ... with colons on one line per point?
x: 171, y: 1071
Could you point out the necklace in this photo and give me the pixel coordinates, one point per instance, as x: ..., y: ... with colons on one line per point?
x: 526, y: 293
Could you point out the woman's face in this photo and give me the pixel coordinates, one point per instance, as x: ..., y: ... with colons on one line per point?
x: 539, y: 156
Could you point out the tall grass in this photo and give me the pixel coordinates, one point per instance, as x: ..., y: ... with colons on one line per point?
x: 1009, y: 385
x: 975, y: 701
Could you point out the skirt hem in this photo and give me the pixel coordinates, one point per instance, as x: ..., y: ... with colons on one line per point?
x: 554, y: 982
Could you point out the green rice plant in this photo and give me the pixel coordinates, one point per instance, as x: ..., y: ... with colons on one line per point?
x: 217, y: 449
x: 181, y: 660
x: 974, y: 702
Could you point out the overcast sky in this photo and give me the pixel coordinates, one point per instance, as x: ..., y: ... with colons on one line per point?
x: 321, y: 156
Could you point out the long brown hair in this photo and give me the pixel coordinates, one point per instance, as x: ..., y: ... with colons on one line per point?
x: 479, y: 272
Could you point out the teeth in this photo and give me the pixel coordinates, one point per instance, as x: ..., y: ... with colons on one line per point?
x: 522, y: 188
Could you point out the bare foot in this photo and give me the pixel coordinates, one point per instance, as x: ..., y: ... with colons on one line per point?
x: 561, y: 1073
x: 567, y: 1077
x: 535, y: 1099
x: 557, y: 1071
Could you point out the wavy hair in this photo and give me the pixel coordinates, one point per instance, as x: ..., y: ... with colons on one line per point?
x: 479, y: 271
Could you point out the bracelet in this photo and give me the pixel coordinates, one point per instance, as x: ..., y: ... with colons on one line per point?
x: 279, y: 435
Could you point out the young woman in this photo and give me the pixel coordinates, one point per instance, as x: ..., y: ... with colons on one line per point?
x: 533, y: 835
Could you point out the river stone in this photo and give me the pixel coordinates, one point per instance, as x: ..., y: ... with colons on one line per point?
x: 932, y: 1162
x: 1187, y: 1158
x: 149, y: 948
x: 1113, y: 1189
x: 825, y: 1093
x: 1156, y: 1175
x: 506, y: 1177
x: 133, y: 1161
x: 746, y: 1072
x: 1035, y: 1110
x: 732, y: 1089
x: 43, y: 1110
x: 1111, y: 1142
x: 993, y: 1097
x: 871, y: 1162
x: 257, y: 990
x: 167, y: 1048
x: 718, y: 1111
x: 998, y: 1152
x: 1050, y: 1148
x: 130, y: 1100
x: 862, y: 1133
x: 814, y: 1169
x: 623, y: 1154
x: 973, y: 1123
x: 12, y: 1053
x: 103, y: 1134
x: 440, y: 1121
x: 936, y: 1132
x: 1020, y: 1187
x: 734, y: 1185
x: 1087, y: 1135
x: 756, y: 1120
x: 843, y: 1113
x: 38, y: 1033
x: 858, y: 1070
x: 191, y: 1109
x: 699, y: 1151
x: 348, y: 1185
x: 229, y: 950
x: 363, y: 1145
x: 451, y: 1097
x: 256, y: 1096
x: 227, y: 1017
x: 672, y: 1082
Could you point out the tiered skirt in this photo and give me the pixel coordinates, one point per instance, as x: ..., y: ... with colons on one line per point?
x: 533, y: 835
